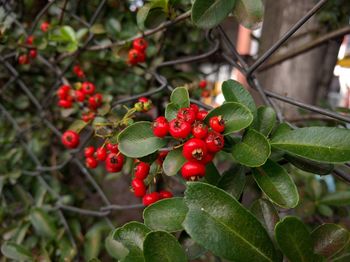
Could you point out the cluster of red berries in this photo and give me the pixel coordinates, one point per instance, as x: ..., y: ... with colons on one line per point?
x: 202, y: 85
x: 202, y: 142
x: 139, y: 187
x: 138, y: 53
x: 78, y: 71
x: 85, y: 96
x: 24, y: 59
x: 114, y: 160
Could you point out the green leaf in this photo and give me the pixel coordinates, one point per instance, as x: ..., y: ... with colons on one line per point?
x: 309, y: 165
x: 266, y: 213
x: 138, y: 140
x: 192, y: 249
x: 212, y: 174
x: 210, y: 13
x: 341, y: 198
x: 131, y: 237
x: 329, y: 239
x: 249, y: 13
x: 15, y: 251
x: 114, y: 248
x: 234, y: 91
x: 253, y: 151
x: 77, y: 126
x: 42, y: 223
x: 219, y: 223
x: 281, y: 129
x: 180, y: 97
x: 160, y: 246
x: 67, y: 250
x: 324, y: 144
x: 171, y: 111
x: 266, y: 120
x: 236, y: 116
x: 167, y: 214
x: 294, y: 240
x: 68, y: 34
x: 233, y: 181
x: 275, y: 182
x: 173, y: 162
x: 93, y: 241
x: 325, y: 210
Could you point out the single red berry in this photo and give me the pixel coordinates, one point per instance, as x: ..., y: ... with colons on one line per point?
x: 151, y: 198
x: 217, y: 123
x: 88, y: 88
x: 65, y: 103
x: 214, y: 141
x: 195, y: 108
x: 142, y: 58
x: 63, y: 91
x: 194, y: 149
x: 134, y: 56
x: 139, y: 187
x: 33, y: 53
x: 140, y: 44
x: 199, y: 130
x: 101, y: 154
x: 187, y: 115
x: 201, y: 115
x: 160, y: 127
x: 44, y: 26
x: 179, y: 128
x: 165, y: 194
x: 30, y: 40
x: 205, y: 93
x: 203, y: 84
x: 70, y: 139
x: 91, y: 162
x: 142, y: 170
x: 208, y: 158
x: 114, y: 162
x: 89, y: 151
x: 113, y: 148
x: 95, y: 101
x: 86, y: 117
x: 23, y: 60
x: 161, y: 156
x: 143, y: 99
x: 192, y: 170
x: 79, y: 95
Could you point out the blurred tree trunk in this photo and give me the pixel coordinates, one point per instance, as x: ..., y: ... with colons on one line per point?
x: 307, y: 76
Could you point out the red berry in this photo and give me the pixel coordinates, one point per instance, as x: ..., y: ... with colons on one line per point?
x: 165, y: 194
x: 78, y: 71
x: 101, y: 154
x: 91, y: 162
x: 113, y: 148
x: 194, y: 149
x: 142, y: 170
x: 179, y: 128
x: 45, y: 26
x: 150, y: 198
x: 33, y: 53
x: 201, y: 115
x: 23, y: 60
x: 79, y: 95
x: 134, y: 56
x: 140, y: 44
x: 114, y: 162
x: 143, y: 99
x: 139, y: 187
x: 160, y: 127
x: 65, y: 103
x: 63, y: 91
x: 192, y: 170
x: 203, y: 84
x: 187, y: 114
x: 88, y: 88
x: 142, y: 58
x: 86, y: 117
x: 30, y: 40
x: 95, y: 101
x: 89, y: 151
x: 205, y: 93
x: 195, y: 108
x: 214, y: 141
x: 217, y: 123
x: 199, y: 130
x: 70, y: 139
x: 208, y: 158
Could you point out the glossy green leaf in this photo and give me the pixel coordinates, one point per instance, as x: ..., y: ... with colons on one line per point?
x: 282, y: 128
x: 131, y: 237
x: 233, y: 181
x: 180, y: 97
x: 249, y: 13
x: 219, y: 223
x: 171, y: 111
x: 309, y: 165
x: 266, y: 213
x: 212, y: 174
x: 68, y: 34
x: 234, y: 91
x: 114, y: 248
x: 77, y: 126
x: 275, y: 182
x: 329, y: 239
x: 167, y: 214
x: 15, y: 251
x: 254, y: 149
x: 173, y: 162
x: 294, y: 240
x: 237, y: 116
x: 341, y: 198
x: 324, y: 144
x: 209, y: 13
x: 138, y: 140
x: 266, y: 120
x: 42, y: 223
x: 160, y: 246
